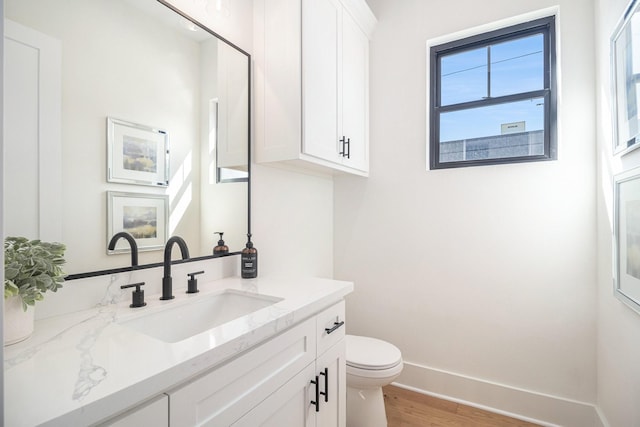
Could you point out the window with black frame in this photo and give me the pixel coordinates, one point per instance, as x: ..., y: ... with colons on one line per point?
x: 493, y: 97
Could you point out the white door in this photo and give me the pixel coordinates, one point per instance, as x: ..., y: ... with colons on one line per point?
x: 32, y: 122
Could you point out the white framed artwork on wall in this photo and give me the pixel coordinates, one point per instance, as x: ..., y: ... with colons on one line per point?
x: 627, y: 237
x: 144, y: 216
x: 137, y: 154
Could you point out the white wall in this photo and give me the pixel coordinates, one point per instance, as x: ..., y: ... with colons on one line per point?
x: 292, y: 222
x: 292, y: 213
x: 618, y: 325
x: 482, y: 276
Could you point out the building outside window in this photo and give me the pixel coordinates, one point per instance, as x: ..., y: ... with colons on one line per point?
x: 493, y: 97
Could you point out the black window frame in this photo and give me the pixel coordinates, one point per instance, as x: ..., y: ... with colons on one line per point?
x: 544, y: 26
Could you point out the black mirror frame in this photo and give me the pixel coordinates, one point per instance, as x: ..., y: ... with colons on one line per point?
x: 160, y: 264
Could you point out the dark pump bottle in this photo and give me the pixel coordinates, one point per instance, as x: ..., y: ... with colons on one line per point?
x: 249, y: 260
x: 221, y: 248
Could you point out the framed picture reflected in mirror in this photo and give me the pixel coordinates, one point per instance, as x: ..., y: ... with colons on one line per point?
x: 625, y: 76
x: 137, y: 154
x: 144, y: 216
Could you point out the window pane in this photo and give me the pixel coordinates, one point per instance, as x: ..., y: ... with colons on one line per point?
x: 517, y: 66
x: 513, y: 129
x: 463, y: 76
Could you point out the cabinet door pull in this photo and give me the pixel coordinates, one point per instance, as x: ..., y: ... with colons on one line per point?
x: 343, y: 140
x: 317, y: 401
x: 348, y: 142
x: 325, y: 393
x: 336, y: 325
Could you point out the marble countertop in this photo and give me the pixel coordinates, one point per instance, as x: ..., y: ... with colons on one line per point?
x: 83, y: 367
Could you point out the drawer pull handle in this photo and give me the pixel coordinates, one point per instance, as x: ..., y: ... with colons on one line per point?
x: 336, y: 325
x: 325, y: 393
x: 317, y: 401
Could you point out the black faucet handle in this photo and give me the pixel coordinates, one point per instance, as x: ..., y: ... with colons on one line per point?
x: 137, y: 296
x: 192, y: 275
x: 192, y: 283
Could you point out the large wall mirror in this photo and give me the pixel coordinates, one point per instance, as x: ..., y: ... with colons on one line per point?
x: 75, y: 64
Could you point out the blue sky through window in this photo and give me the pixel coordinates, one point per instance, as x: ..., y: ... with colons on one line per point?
x: 517, y: 66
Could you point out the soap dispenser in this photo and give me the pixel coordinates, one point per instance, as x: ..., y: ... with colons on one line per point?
x: 221, y: 248
x: 249, y: 260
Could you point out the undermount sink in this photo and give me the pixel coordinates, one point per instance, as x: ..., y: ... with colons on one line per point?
x: 175, y: 324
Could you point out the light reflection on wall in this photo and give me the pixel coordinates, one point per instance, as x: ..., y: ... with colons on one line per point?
x: 180, y: 192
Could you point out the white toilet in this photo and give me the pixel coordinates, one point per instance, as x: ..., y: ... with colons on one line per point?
x: 371, y: 364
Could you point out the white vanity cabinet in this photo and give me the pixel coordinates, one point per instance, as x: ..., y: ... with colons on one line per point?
x: 223, y: 395
x: 312, y: 83
x: 294, y: 404
x: 316, y: 396
x: 271, y: 385
x: 218, y: 377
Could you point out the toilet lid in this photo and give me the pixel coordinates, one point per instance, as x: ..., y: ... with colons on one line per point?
x: 371, y: 353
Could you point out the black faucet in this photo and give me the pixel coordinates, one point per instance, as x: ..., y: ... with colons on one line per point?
x: 132, y: 243
x: 166, y: 280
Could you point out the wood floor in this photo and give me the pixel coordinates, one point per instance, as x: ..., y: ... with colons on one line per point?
x: 409, y: 409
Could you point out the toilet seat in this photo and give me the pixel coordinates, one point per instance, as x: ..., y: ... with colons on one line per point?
x: 373, y: 377
x: 370, y: 354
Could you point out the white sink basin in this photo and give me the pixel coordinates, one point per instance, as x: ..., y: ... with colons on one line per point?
x: 175, y: 324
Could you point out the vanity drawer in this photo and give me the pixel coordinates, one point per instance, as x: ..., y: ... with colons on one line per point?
x: 331, y: 326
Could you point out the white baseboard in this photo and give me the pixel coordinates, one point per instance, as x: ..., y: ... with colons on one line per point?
x: 543, y: 409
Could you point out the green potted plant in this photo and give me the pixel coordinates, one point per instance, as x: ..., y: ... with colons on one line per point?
x: 31, y: 267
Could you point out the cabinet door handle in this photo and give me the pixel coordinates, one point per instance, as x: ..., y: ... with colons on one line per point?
x: 317, y: 401
x: 336, y: 325
x: 325, y: 393
x: 344, y: 141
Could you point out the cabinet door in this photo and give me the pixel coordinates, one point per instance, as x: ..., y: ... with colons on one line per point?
x: 321, y: 23
x: 231, y: 121
x: 355, y: 90
x: 289, y: 406
x: 331, y: 367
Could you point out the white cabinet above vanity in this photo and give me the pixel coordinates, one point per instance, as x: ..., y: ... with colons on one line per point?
x: 311, y: 76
